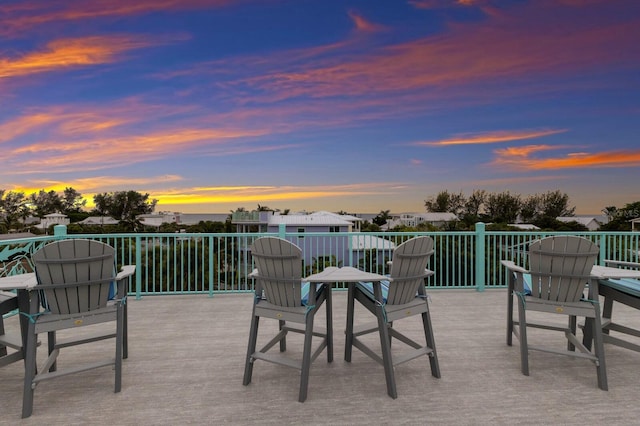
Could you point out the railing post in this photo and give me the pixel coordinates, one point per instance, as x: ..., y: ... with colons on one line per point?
x: 480, y: 256
x: 602, y: 243
x: 138, y: 267
x: 211, y: 270
x: 282, y: 230
x: 60, y: 231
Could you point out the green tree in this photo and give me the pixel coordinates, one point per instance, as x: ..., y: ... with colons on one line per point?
x: 44, y: 203
x: 555, y: 204
x: 13, y: 207
x: 124, y: 206
x: 503, y: 207
x: 72, y: 201
x: 446, y: 202
x: 382, y: 217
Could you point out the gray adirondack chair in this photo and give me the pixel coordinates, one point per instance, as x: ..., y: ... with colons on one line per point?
x: 280, y: 294
x: 10, y: 345
x: 559, y: 270
x: 75, y: 279
x: 401, y: 297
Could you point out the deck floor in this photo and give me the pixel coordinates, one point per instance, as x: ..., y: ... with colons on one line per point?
x: 187, y: 353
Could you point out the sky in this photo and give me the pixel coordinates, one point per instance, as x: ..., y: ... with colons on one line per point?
x: 340, y: 105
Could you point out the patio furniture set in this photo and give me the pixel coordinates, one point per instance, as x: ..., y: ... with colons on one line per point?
x: 76, y: 284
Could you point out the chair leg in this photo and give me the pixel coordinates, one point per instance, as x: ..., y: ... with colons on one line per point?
x: 386, y: 353
x: 573, y: 327
x: 253, y: 338
x: 329, y: 313
x: 119, y: 348
x: 598, y: 342
x: 51, y: 345
x: 306, y: 359
x: 607, y: 311
x: 283, y: 341
x: 510, y: 311
x: 30, y: 371
x: 348, y: 345
x: 524, y: 347
x: 125, y: 333
x: 431, y: 342
x: 3, y: 349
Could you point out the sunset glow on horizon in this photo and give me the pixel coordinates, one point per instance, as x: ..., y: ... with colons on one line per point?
x: 357, y: 105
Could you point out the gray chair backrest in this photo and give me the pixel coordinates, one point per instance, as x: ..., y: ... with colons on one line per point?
x: 410, y: 259
x: 75, y: 275
x: 279, y: 264
x: 560, y: 267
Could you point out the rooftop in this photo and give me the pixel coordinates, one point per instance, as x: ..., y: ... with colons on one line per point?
x: 187, y: 353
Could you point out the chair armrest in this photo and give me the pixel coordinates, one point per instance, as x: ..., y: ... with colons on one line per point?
x: 513, y: 267
x: 126, y: 271
x: 620, y: 264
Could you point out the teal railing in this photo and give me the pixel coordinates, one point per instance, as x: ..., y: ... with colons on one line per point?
x: 185, y: 263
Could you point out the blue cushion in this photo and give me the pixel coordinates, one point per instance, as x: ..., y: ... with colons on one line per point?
x: 305, y: 292
x: 113, y: 290
x: 367, y: 289
x: 526, y: 283
x: 625, y: 285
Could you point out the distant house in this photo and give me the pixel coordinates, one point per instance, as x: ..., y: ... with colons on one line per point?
x: 414, y: 219
x: 53, y: 219
x: 98, y: 220
x: 350, y: 250
x: 195, y: 218
x: 592, y: 223
x: 524, y: 226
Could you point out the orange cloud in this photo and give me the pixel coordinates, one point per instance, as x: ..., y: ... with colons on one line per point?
x: 99, y: 183
x: 67, y: 53
x: 492, y: 137
x: 102, y: 153
x: 17, y: 19
x: 522, y: 158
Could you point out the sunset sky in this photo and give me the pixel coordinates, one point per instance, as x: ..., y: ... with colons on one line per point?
x: 354, y: 105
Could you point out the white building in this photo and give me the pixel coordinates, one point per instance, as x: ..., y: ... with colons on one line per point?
x: 53, y: 219
x: 592, y: 223
x: 415, y: 219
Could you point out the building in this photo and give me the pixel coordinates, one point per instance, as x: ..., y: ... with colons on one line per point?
x: 350, y: 249
x: 53, y: 219
x: 412, y: 220
x: 592, y: 223
x: 98, y: 220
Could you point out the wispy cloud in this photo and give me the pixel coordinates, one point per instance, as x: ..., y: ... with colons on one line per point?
x: 70, y: 53
x: 21, y: 17
x: 266, y: 194
x: 524, y: 158
x: 363, y: 24
x: 492, y: 137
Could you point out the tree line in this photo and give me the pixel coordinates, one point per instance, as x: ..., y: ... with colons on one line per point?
x: 498, y: 209
x: 123, y: 206
x: 503, y: 208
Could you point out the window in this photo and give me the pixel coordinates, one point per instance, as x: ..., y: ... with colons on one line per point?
x: 334, y: 229
x: 301, y: 231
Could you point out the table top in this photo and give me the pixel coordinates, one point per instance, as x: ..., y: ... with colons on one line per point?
x: 18, y: 282
x: 604, y: 272
x: 344, y: 274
